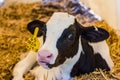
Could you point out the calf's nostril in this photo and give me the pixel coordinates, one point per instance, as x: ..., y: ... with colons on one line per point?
x: 49, y: 56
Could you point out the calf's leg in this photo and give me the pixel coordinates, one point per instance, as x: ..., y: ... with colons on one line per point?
x: 24, y: 66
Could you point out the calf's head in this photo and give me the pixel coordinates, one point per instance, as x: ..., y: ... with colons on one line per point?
x: 61, y: 38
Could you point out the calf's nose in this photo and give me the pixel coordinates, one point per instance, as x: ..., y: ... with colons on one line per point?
x: 45, y: 56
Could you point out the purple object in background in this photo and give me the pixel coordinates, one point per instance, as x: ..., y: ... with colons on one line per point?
x: 1, y: 2
x: 75, y: 7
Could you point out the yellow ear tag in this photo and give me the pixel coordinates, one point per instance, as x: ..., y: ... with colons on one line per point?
x: 33, y: 42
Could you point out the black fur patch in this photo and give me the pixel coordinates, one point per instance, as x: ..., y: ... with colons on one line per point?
x: 67, y: 44
x: 93, y: 34
x: 88, y: 61
x: 36, y: 23
x: 42, y: 28
x: 100, y: 62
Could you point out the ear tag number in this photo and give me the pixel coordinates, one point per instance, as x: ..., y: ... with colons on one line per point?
x: 33, y: 43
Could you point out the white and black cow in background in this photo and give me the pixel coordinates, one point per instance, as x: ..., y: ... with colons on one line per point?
x: 68, y: 50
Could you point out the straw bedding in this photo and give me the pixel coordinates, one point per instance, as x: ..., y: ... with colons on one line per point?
x: 13, y: 37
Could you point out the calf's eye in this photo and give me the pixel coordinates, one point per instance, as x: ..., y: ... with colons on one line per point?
x: 70, y: 37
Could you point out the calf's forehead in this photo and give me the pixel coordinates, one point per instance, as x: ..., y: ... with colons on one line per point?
x: 59, y: 22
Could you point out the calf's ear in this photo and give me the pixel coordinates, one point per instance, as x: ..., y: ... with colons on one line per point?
x: 36, y: 23
x: 93, y: 34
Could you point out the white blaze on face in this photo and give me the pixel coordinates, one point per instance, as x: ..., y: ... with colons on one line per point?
x: 55, y: 27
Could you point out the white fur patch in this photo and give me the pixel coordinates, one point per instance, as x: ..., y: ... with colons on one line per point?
x: 55, y: 27
x: 67, y: 66
x: 103, y: 49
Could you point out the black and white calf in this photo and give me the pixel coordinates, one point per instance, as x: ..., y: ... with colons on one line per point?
x: 68, y: 50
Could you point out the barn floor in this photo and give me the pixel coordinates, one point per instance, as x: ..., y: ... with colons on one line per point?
x: 13, y: 37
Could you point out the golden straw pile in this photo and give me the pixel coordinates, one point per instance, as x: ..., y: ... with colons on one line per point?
x: 13, y: 37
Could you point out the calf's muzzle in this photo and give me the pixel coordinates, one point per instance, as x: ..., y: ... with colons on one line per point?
x: 44, y: 58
